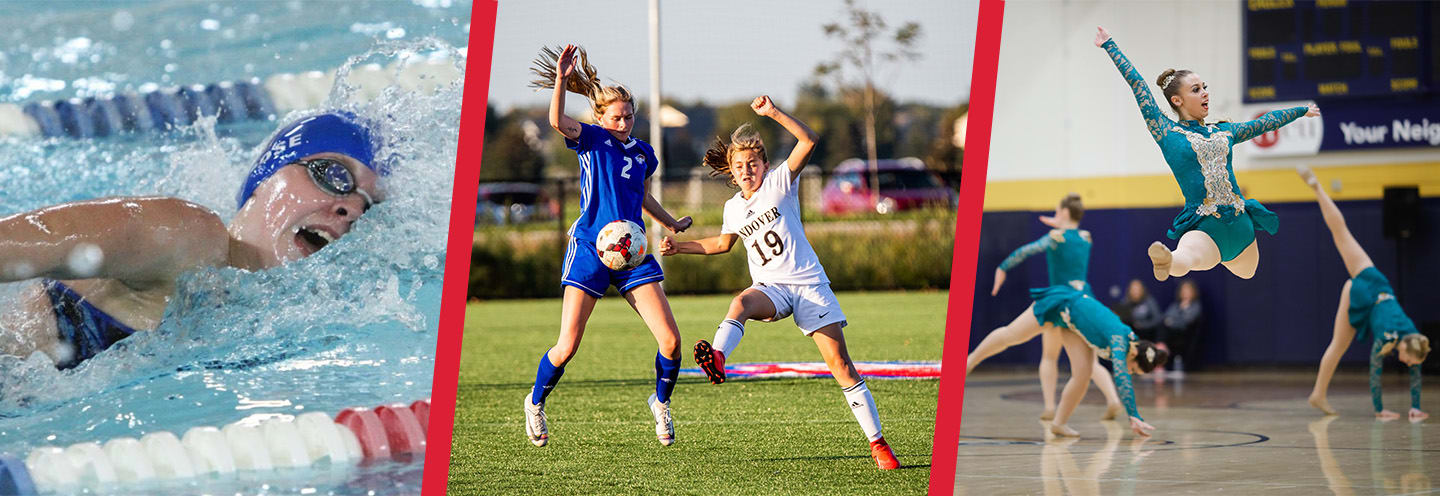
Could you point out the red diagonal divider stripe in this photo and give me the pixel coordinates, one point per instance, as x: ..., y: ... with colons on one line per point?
x: 967, y: 247
x: 458, y: 246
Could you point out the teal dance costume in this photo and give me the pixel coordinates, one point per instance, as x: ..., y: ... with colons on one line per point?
x: 1068, y: 303
x: 1067, y: 260
x: 1199, y: 156
x: 1374, y: 313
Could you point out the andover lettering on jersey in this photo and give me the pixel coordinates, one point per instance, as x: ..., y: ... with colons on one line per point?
x: 766, y: 217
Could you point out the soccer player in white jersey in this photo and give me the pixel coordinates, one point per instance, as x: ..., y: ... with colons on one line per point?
x: 787, y: 279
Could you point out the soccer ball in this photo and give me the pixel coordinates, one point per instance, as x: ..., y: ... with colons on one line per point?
x: 621, y: 245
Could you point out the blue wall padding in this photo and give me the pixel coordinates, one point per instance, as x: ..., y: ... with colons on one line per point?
x: 1283, y: 316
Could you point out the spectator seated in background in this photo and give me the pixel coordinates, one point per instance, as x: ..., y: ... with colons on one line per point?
x: 1180, y: 330
x: 1139, y: 311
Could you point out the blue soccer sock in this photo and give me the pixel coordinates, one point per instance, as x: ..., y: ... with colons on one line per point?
x: 666, y: 371
x: 546, y: 376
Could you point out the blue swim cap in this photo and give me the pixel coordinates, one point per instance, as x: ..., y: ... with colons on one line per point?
x: 334, y: 132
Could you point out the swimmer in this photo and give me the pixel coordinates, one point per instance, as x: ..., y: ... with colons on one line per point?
x: 1368, y: 308
x: 1217, y: 225
x: 106, y: 268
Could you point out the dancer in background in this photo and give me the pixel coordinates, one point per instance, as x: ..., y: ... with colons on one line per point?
x: 1217, y: 225
x: 1368, y: 308
x: 1067, y: 260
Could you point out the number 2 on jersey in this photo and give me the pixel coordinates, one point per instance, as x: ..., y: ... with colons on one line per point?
x: 625, y: 171
x: 773, y: 241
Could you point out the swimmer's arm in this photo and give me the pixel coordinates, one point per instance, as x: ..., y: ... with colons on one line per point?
x: 142, y: 242
x: 706, y: 246
x: 570, y: 128
x: 805, y: 138
x: 655, y: 211
x: 1120, y: 371
x: 1155, y: 119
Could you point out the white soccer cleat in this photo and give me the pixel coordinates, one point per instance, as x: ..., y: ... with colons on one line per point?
x: 664, y: 425
x: 535, y: 426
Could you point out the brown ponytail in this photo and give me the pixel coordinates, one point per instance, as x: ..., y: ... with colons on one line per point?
x: 1074, y: 206
x: 1172, y: 89
x: 717, y: 157
x: 585, y: 81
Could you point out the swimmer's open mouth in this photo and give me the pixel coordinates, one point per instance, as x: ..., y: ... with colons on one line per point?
x: 312, y: 240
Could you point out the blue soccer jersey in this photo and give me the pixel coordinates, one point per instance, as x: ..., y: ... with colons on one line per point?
x: 612, y: 179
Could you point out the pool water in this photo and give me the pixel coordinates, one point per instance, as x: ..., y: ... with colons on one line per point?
x: 352, y: 325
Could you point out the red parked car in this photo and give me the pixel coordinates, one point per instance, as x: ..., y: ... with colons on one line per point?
x: 904, y: 184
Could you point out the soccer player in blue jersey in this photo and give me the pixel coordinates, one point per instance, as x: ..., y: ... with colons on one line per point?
x: 614, y: 167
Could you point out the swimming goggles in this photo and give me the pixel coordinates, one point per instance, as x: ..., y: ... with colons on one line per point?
x: 332, y: 177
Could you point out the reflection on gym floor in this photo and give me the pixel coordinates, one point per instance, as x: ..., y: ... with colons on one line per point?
x: 1242, y: 433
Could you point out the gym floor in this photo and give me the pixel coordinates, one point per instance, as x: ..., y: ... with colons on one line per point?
x: 1233, y: 432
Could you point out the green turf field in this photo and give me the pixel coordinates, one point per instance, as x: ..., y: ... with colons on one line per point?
x: 777, y: 436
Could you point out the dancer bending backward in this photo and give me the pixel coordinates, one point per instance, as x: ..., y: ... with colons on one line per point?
x: 1217, y: 225
x: 1367, y: 308
x: 613, y: 170
x: 787, y: 277
x: 1069, y: 306
x: 1067, y: 258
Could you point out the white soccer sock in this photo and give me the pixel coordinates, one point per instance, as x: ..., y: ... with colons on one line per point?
x: 728, y: 335
x: 863, y: 406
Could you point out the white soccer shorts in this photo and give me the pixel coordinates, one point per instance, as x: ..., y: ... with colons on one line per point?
x: 813, y: 305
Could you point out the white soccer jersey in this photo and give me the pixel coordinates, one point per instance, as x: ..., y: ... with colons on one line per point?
x: 771, y: 233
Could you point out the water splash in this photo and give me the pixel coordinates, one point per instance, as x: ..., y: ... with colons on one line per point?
x: 353, y: 324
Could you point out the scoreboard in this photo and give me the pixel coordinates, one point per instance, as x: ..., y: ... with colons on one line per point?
x: 1329, y: 49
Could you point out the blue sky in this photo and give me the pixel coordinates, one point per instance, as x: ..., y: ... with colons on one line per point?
x: 726, y: 51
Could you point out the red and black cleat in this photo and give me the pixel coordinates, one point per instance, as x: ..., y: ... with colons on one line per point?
x: 710, y: 360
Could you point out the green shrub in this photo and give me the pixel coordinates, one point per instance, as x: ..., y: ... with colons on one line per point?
x: 857, y: 255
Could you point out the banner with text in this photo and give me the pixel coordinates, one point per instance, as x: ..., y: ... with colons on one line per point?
x: 1350, y: 125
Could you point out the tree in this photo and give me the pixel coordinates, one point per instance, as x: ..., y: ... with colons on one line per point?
x: 868, y: 45
x: 945, y: 154
x: 511, y: 152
